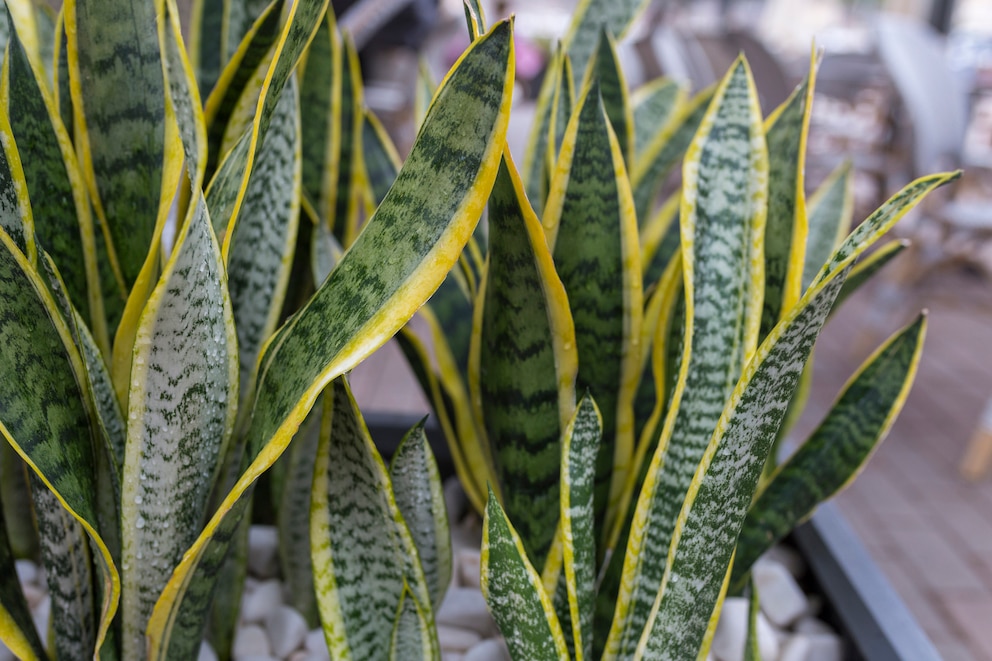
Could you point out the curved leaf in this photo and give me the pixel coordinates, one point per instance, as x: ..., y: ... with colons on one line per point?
x: 831, y: 209
x: 380, y: 161
x: 613, y: 89
x: 522, y: 609
x: 524, y: 363
x: 375, y: 289
x: 16, y: 215
x: 722, y: 222
x: 411, y: 633
x: 591, y: 16
x: 654, y: 104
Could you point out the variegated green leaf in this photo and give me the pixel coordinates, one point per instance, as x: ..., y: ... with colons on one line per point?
x: 423, y: 93
x: 522, y: 609
x: 831, y: 209
x: 411, y: 633
x: 722, y: 221
x: 343, y: 217
x: 786, y: 231
x: 264, y: 238
x: 524, y: 346
x: 580, y: 442
x: 59, y: 206
x: 613, y: 89
x: 17, y: 630
x: 475, y: 16
x: 363, y: 555
x: 591, y: 16
x: 665, y: 148
x: 118, y: 95
x: 225, y: 609
x: 207, y: 42
x: 549, y: 120
x: 46, y: 25
x: 420, y: 498
x: 184, y: 96
x: 380, y: 161
x: 654, y: 104
x: 389, y: 271
x: 15, y: 501
x: 325, y: 252
x: 751, y: 650
x: 16, y: 215
x: 562, y: 106
x: 660, y: 239
x: 837, y: 451
x: 184, y: 385
x: 42, y: 366
x: 62, y: 93
x: 239, y: 16
x: 69, y: 575
x: 591, y: 228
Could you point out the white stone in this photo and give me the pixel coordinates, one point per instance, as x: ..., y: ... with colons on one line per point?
x: 788, y: 557
x: 812, y: 625
x: 795, y: 649
x: 452, y: 656
x: 27, y: 571
x: 33, y: 594
x: 731, y: 632
x: 470, y: 569
x: 825, y: 647
x: 316, y: 644
x: 456, y: 640
x: 492, y: 649
x: 287, y: 630
x: 40, y: 615
x: 257, y: 657
x: 256, y: 606
x: 263, y: 551
x: 5, y: 653
x: 207, y: 652
x: 466, y: 608
x: 250, y: 641
x: 782, y: 600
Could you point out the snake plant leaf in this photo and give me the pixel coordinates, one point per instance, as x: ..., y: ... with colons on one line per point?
x: 293, y: 514
x: 224, y: 617
x: 420, y: 498
x: 381, y: 163
x: 563, y: 104
x: 524, y: 349
x: 45, y: 26
x: 17, y: 630
x: 62, y: 94
x: 653, y: 106
x: 613, y: 90
x: 475, y: 16
x: 208, y: 43
x: 751, y: 650
x: 238, y: 74
x: 578, y: 477
x: 343, y: 217
x: 786, y: 231
x: 325, y: 252
x: 591, y: 228
x: 722, y: 220
x: 181, y: 413
x: 837, y: 450
x: 522, y: 609
x: 831, y: 209
x: 655, y: 233
x: 664, y: 150
x: 411, y: 636
x: 226, y: 193
x: 118, y: 95
x: 60, y: 210
x: 320, y: 111
x: 423, y: 92
x: 16, y: 215
x: 537, y: 163
x: 264, y: 238
x: 591, y: 16
x: 41, y: 364
x: 723, y: 486
x: 15, y: 501
x: 375, y: 289
x: 240, y: 15
x: 364, y: 558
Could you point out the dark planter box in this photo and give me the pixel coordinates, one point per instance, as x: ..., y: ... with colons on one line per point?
x: 860, y: 602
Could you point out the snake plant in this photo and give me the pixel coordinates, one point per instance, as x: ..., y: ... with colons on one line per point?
x: 637, y: 351
x: 174, y: 307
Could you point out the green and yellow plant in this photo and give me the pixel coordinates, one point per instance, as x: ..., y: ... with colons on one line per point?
x: 144, y: 389
x: 633, y: 360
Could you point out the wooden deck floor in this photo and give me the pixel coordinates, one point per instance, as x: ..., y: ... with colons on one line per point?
x: 928, y: 529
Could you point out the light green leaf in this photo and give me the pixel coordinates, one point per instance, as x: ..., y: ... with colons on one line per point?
x: 380, y: 161
x: 182, y: 405
x: 17, y: 630
x: 831, y: 209
x: 370, y: 295
x: 423, y: 93
x: 591, y: 16
x: 592, y: 231
x: 363, y: 554
x: 839, y: 448
x: 207, y: 41
x: 613, y: 89
x: 411, y: 633
x: 343, y: 217
x: 722, y: 223
x: 580, y: 442
x: 524, y: 363
x: 751, y: 650
x: 654, y: 104
x: 522, y: 609
x: 475, y: 16
x: 551, y: 113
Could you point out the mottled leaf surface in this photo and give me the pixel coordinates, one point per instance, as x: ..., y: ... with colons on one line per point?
x: 591, y: 16
x: 653, y: 105
x: 831, y: 210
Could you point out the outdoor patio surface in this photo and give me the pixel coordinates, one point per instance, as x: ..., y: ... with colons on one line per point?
x: 928, y: 529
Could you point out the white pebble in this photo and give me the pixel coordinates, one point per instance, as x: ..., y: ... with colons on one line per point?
x: 825, y: 647
x: 787, y: 557
x: 316, y: 644
x: 33, y: 595
x: 287, y: 630
x: 493, y: 649
x: 795, y: 649
x: 731, y: 632
x: 207, y: 652
x: 466, y: 608
x: 41, y: 614
x: 454, y: 639
x: 263, y: 600
x: 263, y: 551
x: 470, y: 569
x: 782, y: 600
x: 250, y: 641
x: 27, y: 571
x: 5, y: 653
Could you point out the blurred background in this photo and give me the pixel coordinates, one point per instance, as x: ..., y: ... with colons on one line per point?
x: 904, y: 89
